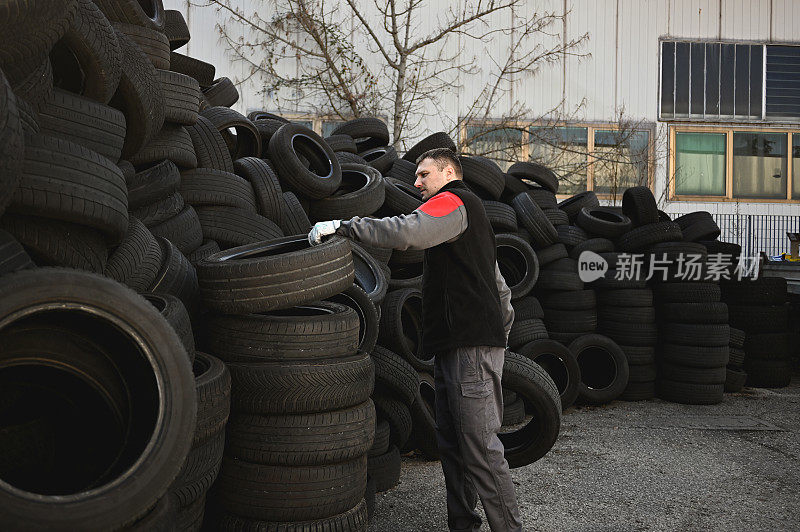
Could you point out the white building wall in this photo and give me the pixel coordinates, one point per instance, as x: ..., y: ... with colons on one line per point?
x: 620, y: 74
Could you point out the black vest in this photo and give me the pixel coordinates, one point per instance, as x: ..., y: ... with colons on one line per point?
x: 460, y: 302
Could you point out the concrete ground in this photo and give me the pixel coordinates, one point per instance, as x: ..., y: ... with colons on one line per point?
x: 650, y: 465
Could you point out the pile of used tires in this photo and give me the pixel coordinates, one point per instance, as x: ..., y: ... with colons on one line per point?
x: 142, y: 217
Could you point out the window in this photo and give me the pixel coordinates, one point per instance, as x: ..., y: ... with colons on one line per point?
x: 700, y: 164
x: 503, y: 145
x: 621, y: 160
x: 734, y: 163
x: 563, y: 149
x: 730, y: 81
x: 328, y: 126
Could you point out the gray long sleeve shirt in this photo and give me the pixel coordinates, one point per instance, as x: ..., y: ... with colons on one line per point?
x: 443, y: 218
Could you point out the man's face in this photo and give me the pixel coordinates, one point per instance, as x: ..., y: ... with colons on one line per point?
x: 430, y: 179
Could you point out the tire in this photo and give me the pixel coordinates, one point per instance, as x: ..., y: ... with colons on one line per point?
x: 485, y: 175
x: 403, y: 170
x: 691, y: 394
x: 176, y: 276
x: 380, y: 158
x: 175, y: 29
x: 149, y: 14
x: 295, y: 387
x: 207, y: 187
x: 173, y: 143
x: 514, y: 413
x: 708, y: 335
x: 436, y: 140
x: 135, y: 262
x: 603, y: 222
x: 769, y: 346
x: 694, y: 356
x: 160, y: 211
x: 544, y: 198
x: 526, y: 331
x: 236, y: 227
x: 551, y: 280
x: 573, y: 205
x: 627, y: 297
x: 139, y: 96
x: 399, y: 417
x: 556, y: 216
x: 201, y: 71
x: 734, y: 380
x: 51, y: 243
x: 231, y: 282
x: 399, y: 197
x: 199, y: 472
x: 296, y: 493
x: 571, y: 320
x: 209, y: 146
x: 768, y: 373
x: 596, y: 245
x: 639, y: 204
x: 183, y: 230
x: 639, y: 356
x: 639, y: 391
x: 347, y: 157
x: 316, y: 331
x: 173, y: 310
x: 698, y: 225
x: 690, y: 375
x: 247, y: 142
x: 633, y: 334
x: 368, y: 318
x: 154, y: 44
x: 641, y: 373
x: 629, y: 314
x: 385, y: 469
x: 694, y: 313
x: 181, y: 97
x: 560, y: 364
x: 603, y: 368
x: 368, y: 274
x: 757, y: 319
x: 294, y: 220
x: 501, y: 216
x: 367, y: 132
x: 644, y: 236
x: 353, y: 520
x: 737, y: 336
x: 762, y: 291
x: 11, y: 143
x: 146, y: 473
x: 265, y: 186
x: 571, y: 235
x: 380, y: 445
x: 212, y: 382
x: 12, y: 255
x: 737, y: 357
x: 67, y: 182
x: 551, y: 253
x: 153, y: 184
x: 221, y: 93
x: 527, y: 308
x: 90, y: 124
x: 423, y: 416
x: 530, y: 382
x: 302, y: 439
x: 686, y: 293
x: 518, y: 264
x: 577, y: 300
x: 206, y: 249
x: 537, y: 173
x: 340, y: 143
x: 362, y: 193
x: 323, y: 175
x: 543, y: 233
x: 401, y: 326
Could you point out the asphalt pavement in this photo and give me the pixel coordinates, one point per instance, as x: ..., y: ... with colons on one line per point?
x: 642, y: 466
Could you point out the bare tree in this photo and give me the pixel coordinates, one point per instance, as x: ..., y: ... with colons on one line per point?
x: 409, y: 60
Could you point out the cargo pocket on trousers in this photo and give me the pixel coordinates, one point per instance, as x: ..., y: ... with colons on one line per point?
x: 476, y: 398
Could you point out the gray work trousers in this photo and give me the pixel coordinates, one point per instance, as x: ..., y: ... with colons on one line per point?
x: 469, y: 409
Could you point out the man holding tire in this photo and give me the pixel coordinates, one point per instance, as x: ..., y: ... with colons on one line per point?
x: 467, y: 316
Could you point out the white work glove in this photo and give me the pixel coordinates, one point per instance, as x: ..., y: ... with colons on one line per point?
x: 322, y: 229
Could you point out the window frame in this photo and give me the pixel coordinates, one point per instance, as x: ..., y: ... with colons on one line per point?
x: 728, y: 130
x: 591, y: 127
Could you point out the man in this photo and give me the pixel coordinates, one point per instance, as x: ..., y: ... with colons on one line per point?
x: 467, y: 315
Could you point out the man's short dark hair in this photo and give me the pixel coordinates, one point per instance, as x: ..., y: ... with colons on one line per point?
x: 442, y: 157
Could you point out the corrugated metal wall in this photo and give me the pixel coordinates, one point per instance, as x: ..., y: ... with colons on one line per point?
x: 620, y: 73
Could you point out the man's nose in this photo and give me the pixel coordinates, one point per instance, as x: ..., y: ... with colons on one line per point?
x: 418, y: 182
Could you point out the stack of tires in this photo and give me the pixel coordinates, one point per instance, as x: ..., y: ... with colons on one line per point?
x: 735, y: 377
x: 302, y: 420
x: 759, y: 308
